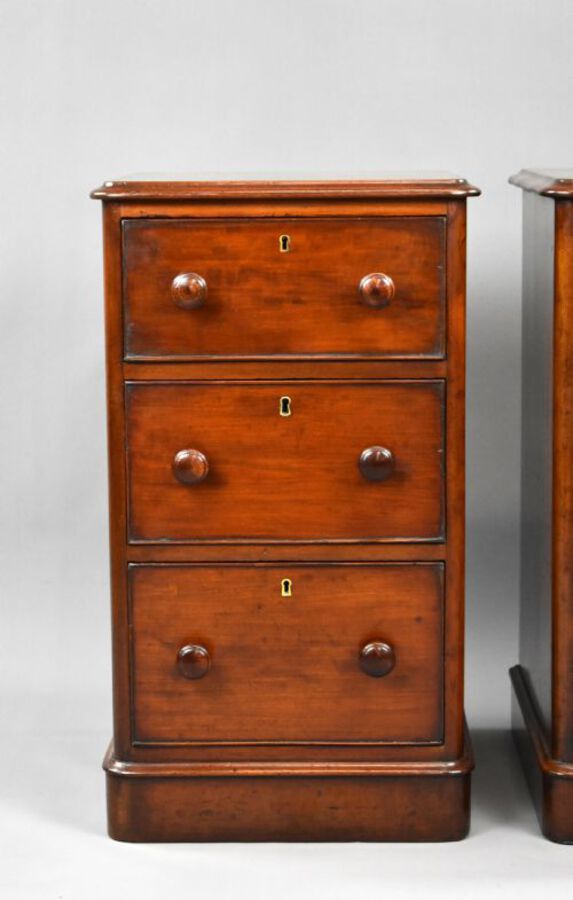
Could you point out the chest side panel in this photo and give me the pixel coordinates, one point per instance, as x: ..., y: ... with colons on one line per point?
x: 563, y: 487
x: 537, y: 447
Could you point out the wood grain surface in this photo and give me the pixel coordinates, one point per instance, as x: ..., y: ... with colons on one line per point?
x: 293, y: 478
x: 287, y: 668
x: 263, y: 302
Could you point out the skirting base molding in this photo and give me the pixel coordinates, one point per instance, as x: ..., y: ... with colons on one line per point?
x: 289, y: 801
x: 550, y: 780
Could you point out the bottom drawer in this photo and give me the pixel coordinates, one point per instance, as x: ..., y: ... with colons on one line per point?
x: 307, y: 653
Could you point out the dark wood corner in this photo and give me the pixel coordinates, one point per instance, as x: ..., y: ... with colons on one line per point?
x: 550, y: 780
x: 556, y: 183
x: 543, y: 681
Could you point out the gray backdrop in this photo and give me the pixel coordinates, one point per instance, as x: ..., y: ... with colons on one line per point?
x: 92, y: 90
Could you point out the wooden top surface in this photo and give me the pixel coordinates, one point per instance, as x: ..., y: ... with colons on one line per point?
x: 294, y: 185
x: 549, y: 182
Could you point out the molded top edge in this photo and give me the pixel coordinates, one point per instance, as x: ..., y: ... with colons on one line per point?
x: 548, y: 182
x: 298, y: 185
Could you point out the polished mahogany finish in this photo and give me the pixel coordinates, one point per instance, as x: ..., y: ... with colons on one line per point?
x: 346, y: 802
x: 193, y: 661
x: 267, y: 650
x: 285, y: 369
x: 286, y: 186
x: 190, y: 466
x: 377, y: 659
x: 543, y: 680
x: 274, y: 477
x: 340, y: 802
x: 307, y: 302
x: 377, y: 290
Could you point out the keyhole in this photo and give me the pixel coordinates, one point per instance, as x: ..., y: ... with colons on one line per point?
x: 285, y: 406
x: 284, y: 243
x: 286, y: 587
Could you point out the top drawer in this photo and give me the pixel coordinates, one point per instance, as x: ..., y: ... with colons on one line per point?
x: 284, y: 287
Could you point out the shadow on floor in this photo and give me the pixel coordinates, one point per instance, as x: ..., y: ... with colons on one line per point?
x: 52, y: 763
x: 55, y: 773
x: 499, y: 790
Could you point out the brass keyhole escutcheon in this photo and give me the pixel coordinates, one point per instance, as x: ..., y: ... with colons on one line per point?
x: 286, y: 587
x: 284, y: 243
x: 285, y: 406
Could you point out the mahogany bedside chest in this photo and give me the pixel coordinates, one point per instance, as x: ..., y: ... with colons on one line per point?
x: 543, y: 681
x: 286, y: 368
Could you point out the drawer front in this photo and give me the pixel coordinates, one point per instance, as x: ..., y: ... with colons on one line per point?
x: 353, y: 654
x: 285, y: 461
x: 291, y: 287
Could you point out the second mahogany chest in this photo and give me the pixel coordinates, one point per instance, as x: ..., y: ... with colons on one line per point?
x: 543, y: 680
x: 286, y: 371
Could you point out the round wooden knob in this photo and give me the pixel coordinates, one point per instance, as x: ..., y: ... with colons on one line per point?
x: 190, y: 466
x: 193, y: 661
x: 377, y: 659
x: 376, y: 463
x: 376, y: 289
x: 189, y: 290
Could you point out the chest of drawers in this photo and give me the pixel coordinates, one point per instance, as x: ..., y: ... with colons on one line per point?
x: 543, y: 680
x: 285, y: 369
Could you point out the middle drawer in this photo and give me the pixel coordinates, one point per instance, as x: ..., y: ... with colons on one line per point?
x: 285, y: 461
